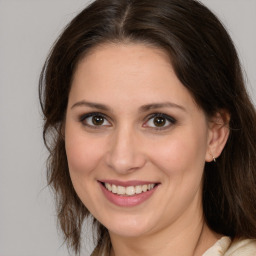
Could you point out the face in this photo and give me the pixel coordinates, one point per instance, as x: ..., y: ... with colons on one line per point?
x: 136, y: 141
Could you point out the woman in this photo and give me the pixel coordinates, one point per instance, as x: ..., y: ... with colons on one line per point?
x: 151, y: 131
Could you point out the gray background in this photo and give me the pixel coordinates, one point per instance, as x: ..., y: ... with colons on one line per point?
x: 27, y: 30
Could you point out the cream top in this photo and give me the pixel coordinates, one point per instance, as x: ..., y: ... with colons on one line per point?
x: 223, y: 247
x: 226, y: 247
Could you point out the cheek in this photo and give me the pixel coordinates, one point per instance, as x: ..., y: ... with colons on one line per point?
x: 83, y: 156
x: 181, y: 152
x: 83, y: 153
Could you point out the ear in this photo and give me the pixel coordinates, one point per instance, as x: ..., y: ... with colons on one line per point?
x: 218, y: 134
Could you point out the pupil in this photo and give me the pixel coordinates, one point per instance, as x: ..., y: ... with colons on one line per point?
x: 159, y: 121
x: 97, y: 120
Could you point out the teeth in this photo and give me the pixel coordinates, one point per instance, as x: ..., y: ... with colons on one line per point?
x: 144, y: 188
x: 108, y: 186
x: 121, y: 190
x: 138, y: 189
x: 113, y: 188
x: 128, y: 191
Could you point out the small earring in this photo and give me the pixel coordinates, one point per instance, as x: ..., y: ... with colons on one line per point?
x: 213, y: 158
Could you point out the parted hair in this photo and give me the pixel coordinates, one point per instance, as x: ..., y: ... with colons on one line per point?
x: 204, y: 59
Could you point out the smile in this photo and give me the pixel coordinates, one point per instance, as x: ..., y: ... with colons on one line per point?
x: 130, y: 190
x: 128, y: 194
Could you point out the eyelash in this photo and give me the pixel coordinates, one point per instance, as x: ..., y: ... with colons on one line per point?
x: 165, y: 117
x: 83, y: 118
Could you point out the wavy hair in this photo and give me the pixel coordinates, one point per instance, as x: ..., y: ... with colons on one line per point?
x: 204, y: 59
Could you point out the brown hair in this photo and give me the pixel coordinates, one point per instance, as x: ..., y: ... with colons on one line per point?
x: 205, y: 61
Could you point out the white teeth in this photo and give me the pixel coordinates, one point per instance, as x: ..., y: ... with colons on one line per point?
x: 128, y: 191
x: 120, y: 190
x: 113, y: 188
x: 138, y: 189
x: 108, y: 186
x: 144, y: 188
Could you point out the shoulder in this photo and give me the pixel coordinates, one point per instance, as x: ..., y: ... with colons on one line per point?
x: 238, y: 247
x: 245, y: 247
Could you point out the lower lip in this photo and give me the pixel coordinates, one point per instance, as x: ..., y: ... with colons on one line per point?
x: 127, y: 201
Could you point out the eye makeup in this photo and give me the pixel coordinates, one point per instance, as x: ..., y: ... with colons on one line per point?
x: 155, y: 121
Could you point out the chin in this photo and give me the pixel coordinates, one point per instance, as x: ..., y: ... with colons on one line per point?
x: 129, y: 227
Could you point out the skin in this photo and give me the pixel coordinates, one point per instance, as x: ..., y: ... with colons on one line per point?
x: 128, y: 146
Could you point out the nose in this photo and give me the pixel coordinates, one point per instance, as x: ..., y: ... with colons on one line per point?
x: 125, y: 153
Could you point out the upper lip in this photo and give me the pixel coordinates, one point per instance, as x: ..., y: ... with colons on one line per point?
x: 128, y: 183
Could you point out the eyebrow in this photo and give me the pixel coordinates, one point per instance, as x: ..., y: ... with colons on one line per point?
x: 143, y: 108
x: 148, y: 107
x: 90, y: 105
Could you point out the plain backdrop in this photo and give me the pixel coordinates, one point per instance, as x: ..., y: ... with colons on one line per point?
x: 27, y: 30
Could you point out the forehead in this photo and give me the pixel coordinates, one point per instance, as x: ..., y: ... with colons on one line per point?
x: 125, y: 73
x: 124, y: 57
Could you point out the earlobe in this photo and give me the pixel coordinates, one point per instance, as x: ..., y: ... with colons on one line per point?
x: 218, y: 135
x: 213, y: 157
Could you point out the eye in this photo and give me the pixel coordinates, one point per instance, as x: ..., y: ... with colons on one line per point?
x: 159, y: 121
x: 95, y: 120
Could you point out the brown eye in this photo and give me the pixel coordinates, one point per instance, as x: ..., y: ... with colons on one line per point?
x: 159, y: 121
x: 97, y: 120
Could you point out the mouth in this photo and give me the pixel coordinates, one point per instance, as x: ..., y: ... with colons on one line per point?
x: 128, y: 190
x: 128, y: 194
